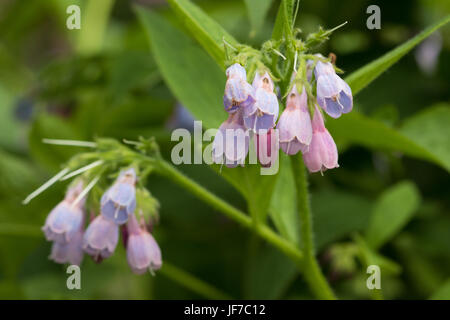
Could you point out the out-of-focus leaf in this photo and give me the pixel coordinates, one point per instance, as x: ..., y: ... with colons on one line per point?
x: 198, y: 91
x: 256, y: 188
x: 283, y: 207
x: 347, y: 213
x: 430, y: 129
x: 371, y: 257
x: 15, y: 173
x: 270, y: 274
x: 443, y: 293
x: 362, y: 77
x: 355, y: 128
x: 204, y: 29
x: 257, y: 10
x: 49, y: 126
x: 393, y: 210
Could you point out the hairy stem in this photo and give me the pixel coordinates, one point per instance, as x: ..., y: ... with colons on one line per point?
x: 311, y: 269
x: 240, y: 217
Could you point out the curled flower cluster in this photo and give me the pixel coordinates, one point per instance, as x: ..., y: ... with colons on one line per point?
x: 253, y: 109
x: 65, y: 224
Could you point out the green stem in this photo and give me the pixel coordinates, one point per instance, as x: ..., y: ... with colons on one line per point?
x: 190, y: 282
x: 93, y: 25
x: 263, y: 231
x: 311, y: 269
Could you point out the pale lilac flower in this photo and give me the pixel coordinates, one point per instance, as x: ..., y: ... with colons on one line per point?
x: 333, y: 94
x: 66, y: 218
x: 71, y: 252
x: 238, y: 92
x: 264, y: 112
x: 294, y: 126
x: 322, y: 153
x: 119, y: 201
x: 267, y: 146
x: 143, y: 252
x: 230, y: 144
x: 101, y: 237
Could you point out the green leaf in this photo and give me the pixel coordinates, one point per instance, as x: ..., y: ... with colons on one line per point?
x: 261, y: 282
x: 283, y: 207
x: 205, y: 30
x: 49, y: 126
x: 283, y: 22
x: 199, y: 91
x: 356, y: 128
x: 371, y: 257
x: 392, y: 212
x: 431, y: 131
x: 347, y: 214
x: 257, y: 11
x: 256, y: 188
x: 443, y: 293
x: 362, y: 77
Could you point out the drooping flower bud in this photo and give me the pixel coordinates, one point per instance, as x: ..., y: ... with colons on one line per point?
x: 333, y: 94
x: 230, y: 146
x: 66, y: 218
x: 322, y: 153
x: 143, y: 252
x: 238, y: 92
x: 263, y: 114
x: 294, y: 126
x: 119, y: 201
x: 101, y: 237
x: 267, y: 146
x: 71, y: 252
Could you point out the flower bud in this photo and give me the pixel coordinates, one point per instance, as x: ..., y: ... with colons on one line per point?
x: 238, y: 92
x: 294, y: 126
x: 143, y: 252
x: 119, y: 201
x: 230, y: 144
x: 322, y: 153
x: 101, y: 237
x: 263, y: 114
x: 66, y: 218
x: 333, y: 94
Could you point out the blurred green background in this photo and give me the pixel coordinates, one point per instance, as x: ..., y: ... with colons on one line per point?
x: 102, y: 81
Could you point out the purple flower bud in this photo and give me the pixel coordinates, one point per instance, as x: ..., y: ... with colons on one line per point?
x: 66, y: 218
x: 267, y: 146
x: 264, y: 112
x: 143, y: 252
x: 119, y: 201
x: 322, y: 153
x: 101, y: 237
x: 333, y: 94
x: 71, y: 252
x: 238, y: 92
x: 236, y: 71
x: 230, y: 144
x: 294, y: 126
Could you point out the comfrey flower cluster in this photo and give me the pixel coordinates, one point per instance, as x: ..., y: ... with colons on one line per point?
x: 65, y: 226
x: 250, y: 108
x: 253, y: 110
